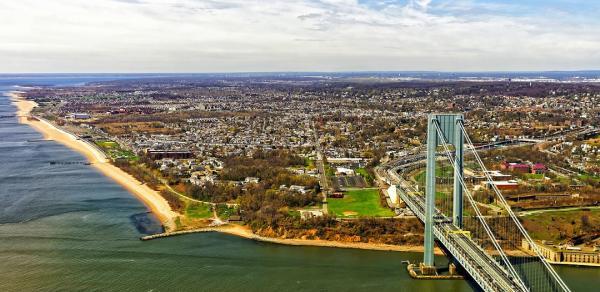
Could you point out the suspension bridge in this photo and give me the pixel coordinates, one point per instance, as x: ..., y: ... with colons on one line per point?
x: 456, y: 214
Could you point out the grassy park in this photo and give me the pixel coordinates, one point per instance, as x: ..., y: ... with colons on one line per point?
x: 561, y: 224
x: 534, y: 176
x: 198, y: 210
x: 359, y: 203
x: 445, y: 171
x: 115, y: 151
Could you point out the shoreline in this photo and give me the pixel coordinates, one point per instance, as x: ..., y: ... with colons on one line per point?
x: 245, y: 232
x: 149, y: 197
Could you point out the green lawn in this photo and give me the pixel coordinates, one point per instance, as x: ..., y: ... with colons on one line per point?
x: 359, y: 203
x: 225, y: 212
x: 329, y: 171
x: 364, y: 173
x: 534, y: 176
x: 125, y: 154
x: 442, y: 196
x: 309, y: 163
x: 589, y: 177
x: 115, y: 151
x: 440, y: 171
x: 550, y: 225
x: 198, y: 210
x: 107, y: 144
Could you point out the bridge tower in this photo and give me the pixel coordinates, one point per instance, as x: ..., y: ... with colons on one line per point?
x: 452, y: 133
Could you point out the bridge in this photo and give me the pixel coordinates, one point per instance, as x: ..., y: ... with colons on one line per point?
x: 487, y: 248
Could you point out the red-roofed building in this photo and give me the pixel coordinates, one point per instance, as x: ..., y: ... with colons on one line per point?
x: 538, y: 168
x: 519, y: 167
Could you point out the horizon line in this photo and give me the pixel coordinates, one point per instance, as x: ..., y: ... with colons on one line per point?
x: 284, y: 72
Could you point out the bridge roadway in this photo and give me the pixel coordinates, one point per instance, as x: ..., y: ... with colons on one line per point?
x: 482, y: 268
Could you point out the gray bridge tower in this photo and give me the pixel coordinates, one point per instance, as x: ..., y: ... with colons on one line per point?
x: 452, y: 133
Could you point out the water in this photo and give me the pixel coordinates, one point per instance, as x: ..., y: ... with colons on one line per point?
x: 68, y: 228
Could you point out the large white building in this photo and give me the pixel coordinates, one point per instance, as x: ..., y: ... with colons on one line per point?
x: 392, y: 193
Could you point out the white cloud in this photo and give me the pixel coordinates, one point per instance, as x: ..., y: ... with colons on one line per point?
x: 422, y: 4
x: 253, y: 35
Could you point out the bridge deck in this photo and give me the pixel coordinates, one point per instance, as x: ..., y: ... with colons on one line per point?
x: 484, y: 270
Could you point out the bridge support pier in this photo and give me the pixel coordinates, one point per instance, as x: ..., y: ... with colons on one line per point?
x: 427, y: 270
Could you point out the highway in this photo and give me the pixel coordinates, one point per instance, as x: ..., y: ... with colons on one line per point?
x: 479, y: 264
x: 489, y: 274
x: 484, y: 270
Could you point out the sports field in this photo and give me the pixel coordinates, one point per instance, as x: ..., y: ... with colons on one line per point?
x: 359, y: 203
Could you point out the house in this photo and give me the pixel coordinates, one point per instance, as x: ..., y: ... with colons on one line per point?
x: 80, y: 116
x: 519, y: 167
x: 201, y: 178
x: 503, y: 185
x: 538, y: 168
x: 299, y: 189
x: 344, y: 171
x: 160, y: 154
x: 250, y: 179
x: 308, y: 214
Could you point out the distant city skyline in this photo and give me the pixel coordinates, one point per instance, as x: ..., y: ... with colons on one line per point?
x: 328, y: 35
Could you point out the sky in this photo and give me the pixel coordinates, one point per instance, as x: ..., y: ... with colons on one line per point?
x: 72, y: 36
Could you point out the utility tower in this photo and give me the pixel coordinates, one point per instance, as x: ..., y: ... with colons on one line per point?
x: 449, y: 125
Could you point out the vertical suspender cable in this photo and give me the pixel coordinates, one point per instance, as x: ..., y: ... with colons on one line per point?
x: 511, y: 271
x: 548, y: 267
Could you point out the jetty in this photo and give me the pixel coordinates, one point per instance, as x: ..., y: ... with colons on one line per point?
x: 176, y: 233
x: 69, y: 162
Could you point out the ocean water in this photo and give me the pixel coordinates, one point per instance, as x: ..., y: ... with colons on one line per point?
x: 68, y: 228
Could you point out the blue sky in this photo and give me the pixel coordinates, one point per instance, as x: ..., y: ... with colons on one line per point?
x: 297, y: 35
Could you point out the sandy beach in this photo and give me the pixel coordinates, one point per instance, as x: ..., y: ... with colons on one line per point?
x: 152, y: 199
x: 245, y: 232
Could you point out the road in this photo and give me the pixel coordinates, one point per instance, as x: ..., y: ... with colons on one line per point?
x: 484, y: 270
x: 532, y: 212
x: 482, y: 267
x: 325, y: 188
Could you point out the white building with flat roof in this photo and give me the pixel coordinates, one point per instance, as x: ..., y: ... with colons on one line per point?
x: 392, y: 193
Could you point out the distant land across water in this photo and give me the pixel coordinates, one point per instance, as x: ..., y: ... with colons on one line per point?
x: 550, y: 76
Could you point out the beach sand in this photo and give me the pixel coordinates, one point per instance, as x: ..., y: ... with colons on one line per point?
x: 245, y: 232
x: 151, y: 198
